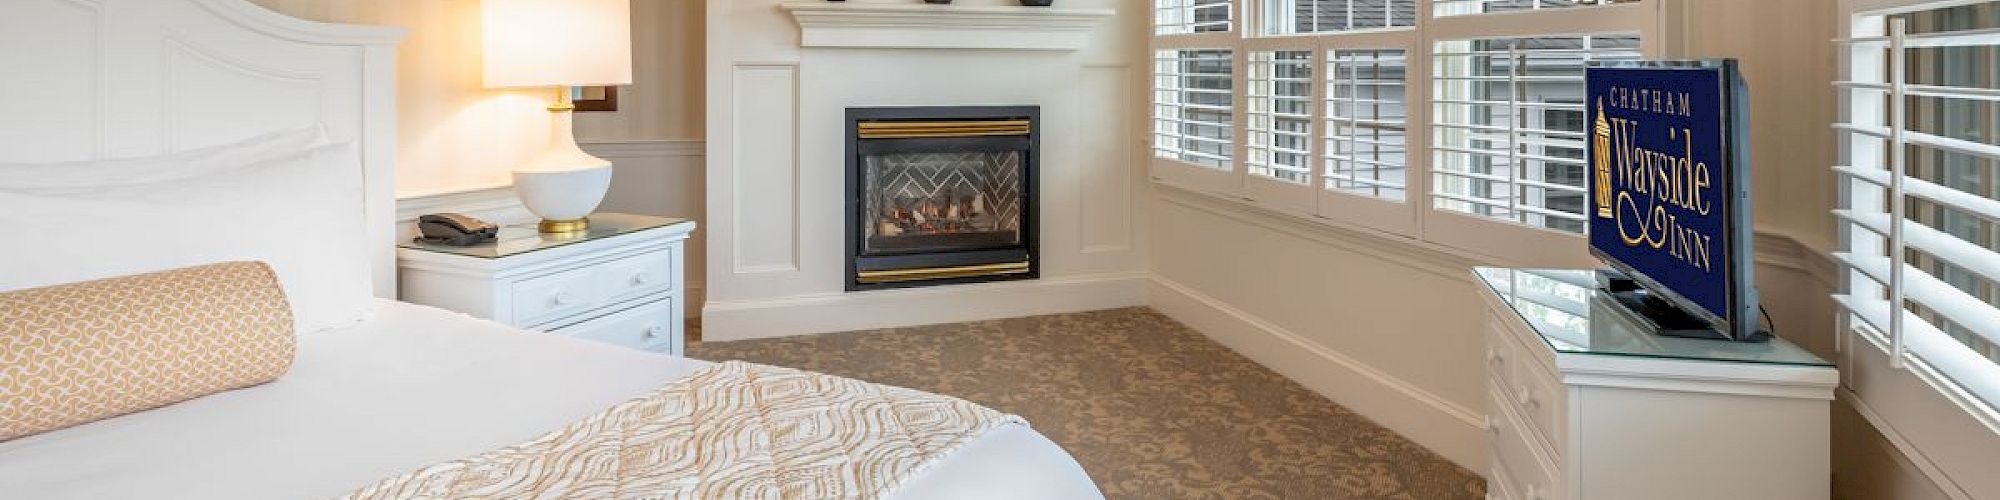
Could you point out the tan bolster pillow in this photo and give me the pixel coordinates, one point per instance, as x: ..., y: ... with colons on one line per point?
x: 77, y: 353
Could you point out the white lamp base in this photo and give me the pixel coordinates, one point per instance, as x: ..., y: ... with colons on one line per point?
x: 563, y: 184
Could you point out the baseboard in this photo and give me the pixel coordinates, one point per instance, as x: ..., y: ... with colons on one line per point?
x: 1450, y: 430
x: 838, y: 312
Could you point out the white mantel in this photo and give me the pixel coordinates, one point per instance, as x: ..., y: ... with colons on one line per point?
x: 930, y: 26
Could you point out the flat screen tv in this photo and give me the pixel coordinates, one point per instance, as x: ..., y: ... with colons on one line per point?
x: 1669, y: 204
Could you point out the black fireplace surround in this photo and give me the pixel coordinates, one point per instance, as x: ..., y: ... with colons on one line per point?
x: 941, y: 195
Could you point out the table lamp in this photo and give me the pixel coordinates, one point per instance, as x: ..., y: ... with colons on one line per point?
x: 559, y: 44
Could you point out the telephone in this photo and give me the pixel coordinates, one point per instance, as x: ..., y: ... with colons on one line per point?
x: 457, y: 230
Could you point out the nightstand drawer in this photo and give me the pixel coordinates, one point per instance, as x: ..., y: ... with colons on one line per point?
x: 556, y: 295
x: 638, y: 275
x: 648, y: 326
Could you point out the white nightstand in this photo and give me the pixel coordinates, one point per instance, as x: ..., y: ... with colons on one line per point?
x: 619, y: 283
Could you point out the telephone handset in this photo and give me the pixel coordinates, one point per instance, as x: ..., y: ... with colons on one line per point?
x: 455, y: 229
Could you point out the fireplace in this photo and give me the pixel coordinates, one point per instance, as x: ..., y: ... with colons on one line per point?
x: 941, y: 195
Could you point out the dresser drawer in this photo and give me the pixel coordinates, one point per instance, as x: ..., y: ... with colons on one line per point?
x: 638, y: 275
x: 1529, y: 473
x: 1520, y: 380
x: 552, y: 296
x: 1540, y: 398
x: 649, y: 326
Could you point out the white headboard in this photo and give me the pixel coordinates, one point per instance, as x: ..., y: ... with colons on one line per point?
x: 89, y: 79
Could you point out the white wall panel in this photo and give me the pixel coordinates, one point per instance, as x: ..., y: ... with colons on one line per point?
x: 1105, y: 166
x: 764, y: 220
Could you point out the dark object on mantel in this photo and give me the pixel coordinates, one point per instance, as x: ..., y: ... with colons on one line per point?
x: 939, y: 2
x: 1037, y: 3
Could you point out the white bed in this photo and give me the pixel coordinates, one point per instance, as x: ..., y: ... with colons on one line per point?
x: 412, y: 386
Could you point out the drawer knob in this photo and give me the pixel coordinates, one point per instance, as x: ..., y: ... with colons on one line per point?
x: 1492, y: 425
x: 653, y: 332
x: 563, y: 298
x: 642, y: 278
x: 1528, y: 399
x: 1494, y: 356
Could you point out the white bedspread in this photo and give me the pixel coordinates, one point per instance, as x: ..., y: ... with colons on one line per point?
x: 414, y: 387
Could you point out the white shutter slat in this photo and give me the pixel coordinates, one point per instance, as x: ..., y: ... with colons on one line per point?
x: 1959, y: 38
x: 1972, y: 373
x: 1981, y: 206
x: 1983, y: 150
x: 1961, y: 253
x: 1967, y: 311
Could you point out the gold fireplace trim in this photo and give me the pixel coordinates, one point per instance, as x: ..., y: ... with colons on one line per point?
x: 964, y: 128
x: 938, y: 273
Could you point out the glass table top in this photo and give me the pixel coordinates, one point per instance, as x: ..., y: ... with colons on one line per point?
x: 518, y: 239
x: 1568, y: 312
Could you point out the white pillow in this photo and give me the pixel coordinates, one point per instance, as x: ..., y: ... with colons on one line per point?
x: 296, y: 205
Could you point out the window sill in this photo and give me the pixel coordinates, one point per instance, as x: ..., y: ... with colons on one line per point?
x: 1448, y: 262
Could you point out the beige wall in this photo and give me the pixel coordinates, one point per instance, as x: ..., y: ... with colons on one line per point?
x: 456, y: 135
x: 1787, y: 54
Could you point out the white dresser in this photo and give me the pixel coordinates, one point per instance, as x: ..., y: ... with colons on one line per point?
x: 620, y: 283
x: 1585, y: 403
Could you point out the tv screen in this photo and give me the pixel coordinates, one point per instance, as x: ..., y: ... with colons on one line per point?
x: 1669, y: 198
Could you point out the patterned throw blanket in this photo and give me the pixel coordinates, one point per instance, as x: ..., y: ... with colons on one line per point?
x: 732, y: 430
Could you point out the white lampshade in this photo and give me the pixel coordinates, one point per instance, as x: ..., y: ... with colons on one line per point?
x: 548, y: 43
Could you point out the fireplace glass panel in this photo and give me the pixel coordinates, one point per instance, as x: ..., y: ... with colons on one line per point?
x: 931, y: 202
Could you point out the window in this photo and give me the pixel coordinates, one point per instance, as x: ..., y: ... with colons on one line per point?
x: 1921, y: 204
x: 1507, y: 128
x: 1194, y: 95
x: 1367, y: 123
x: 1462, y: 7
x: 1465, y: 133
x: 1288, y: 17
x: 1281, y: 111
x: 1191, y: 16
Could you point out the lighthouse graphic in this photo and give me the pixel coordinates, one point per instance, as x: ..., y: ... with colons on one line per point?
x: 1601, y: 150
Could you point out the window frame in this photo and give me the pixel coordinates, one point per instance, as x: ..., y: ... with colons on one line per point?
x: 1173, y: 170
x: 1394, y: 216
x: 1413, y: 217
x: 1949, y: 432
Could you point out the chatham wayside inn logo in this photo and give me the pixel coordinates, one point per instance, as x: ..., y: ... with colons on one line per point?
x: 1602, y: 149
x: 1652, y: 195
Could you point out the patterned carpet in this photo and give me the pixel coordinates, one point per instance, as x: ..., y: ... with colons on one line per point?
x: 1152, y: 409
